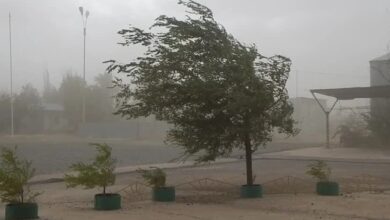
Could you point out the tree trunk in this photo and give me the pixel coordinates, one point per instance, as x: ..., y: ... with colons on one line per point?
x: 22, y: 196
x: 248, y: 157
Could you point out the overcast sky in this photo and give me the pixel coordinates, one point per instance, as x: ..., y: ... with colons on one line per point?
x: 330, y: 42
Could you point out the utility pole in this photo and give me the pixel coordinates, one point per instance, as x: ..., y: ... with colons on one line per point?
x: 81, y: 9
x: 11, y: 78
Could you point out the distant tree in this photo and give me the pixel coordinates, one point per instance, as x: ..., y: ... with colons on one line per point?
x: 100, y: 105
x: 218, y: 93
x: 28, y: 109
x: 28, y: 102
x: 5, y: 113
x: 50, y: 94
x: 99, y: 99
x: 104, y: 81
x: 71, y: 90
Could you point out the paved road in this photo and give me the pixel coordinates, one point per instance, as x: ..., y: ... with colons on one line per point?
x: 52, y: 156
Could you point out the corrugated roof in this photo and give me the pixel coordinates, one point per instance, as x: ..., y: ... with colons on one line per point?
x: 356, y: 92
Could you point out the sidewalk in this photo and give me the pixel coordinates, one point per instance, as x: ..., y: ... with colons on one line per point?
x: 363, y: 155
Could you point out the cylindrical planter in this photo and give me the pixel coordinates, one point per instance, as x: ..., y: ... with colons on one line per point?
x: 164, y: 194
x: 327, y: 188
x: 108, y: 201
x: 251, y: 191
x: 19, y: 211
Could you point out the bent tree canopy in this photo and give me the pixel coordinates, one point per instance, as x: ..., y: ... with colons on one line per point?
x: 217, y: 93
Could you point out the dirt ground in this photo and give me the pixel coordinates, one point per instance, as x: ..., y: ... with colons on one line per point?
x: 211, y: 192
x: 273, y: 207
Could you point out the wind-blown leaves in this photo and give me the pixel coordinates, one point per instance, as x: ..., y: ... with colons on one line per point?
x: 214, y: 90
x: 99, y: 173
x: 14, y: 176
x: 155, y: 176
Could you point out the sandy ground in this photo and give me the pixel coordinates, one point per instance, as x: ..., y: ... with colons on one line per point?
x: 211, y: 192
x: 217, y: 198
x: 59, y: 203
x: 277, y: 207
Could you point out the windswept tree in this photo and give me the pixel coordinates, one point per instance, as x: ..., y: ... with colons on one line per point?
x: 218, y: 93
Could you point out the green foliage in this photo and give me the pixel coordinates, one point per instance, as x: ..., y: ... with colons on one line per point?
x: 155, y: 177
x: 319, y: 170
x: 14, y: 176
x: 218, y: 93
x: 99, y: 173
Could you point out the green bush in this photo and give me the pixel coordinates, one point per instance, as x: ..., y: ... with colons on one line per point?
x: 319, y: 170
x: 155, y: 177
x: 14, y: 176
x: 99, y: 173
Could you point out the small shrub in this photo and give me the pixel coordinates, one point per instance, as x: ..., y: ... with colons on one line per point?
x: 100, y: 173
x: 319, y: 170
x: 379, y: 125
x: 14, y: 176
x: 155, y: 177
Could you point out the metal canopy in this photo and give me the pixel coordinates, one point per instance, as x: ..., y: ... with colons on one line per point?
x: 356, y: 92
x: 348, y: 94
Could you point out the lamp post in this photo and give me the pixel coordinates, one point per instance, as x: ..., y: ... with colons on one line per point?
x: 84, y: 18
x: 11, y: 78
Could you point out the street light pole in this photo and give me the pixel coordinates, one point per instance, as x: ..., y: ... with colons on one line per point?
x: 11, y: 78
x: 81, y: 9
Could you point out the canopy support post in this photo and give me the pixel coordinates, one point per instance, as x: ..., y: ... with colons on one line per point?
x: 327, y: 113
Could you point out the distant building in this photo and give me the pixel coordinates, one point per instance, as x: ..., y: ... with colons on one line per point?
x: 53, y: 118
x: 379, y: 76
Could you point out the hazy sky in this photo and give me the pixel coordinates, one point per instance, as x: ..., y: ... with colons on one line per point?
x: 330, y: 42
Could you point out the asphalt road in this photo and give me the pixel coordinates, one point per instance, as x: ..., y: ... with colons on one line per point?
x: 55, y: 156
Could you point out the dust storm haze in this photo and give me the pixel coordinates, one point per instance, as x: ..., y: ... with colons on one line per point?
x: 329, y: 42
x: 332, y: 104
